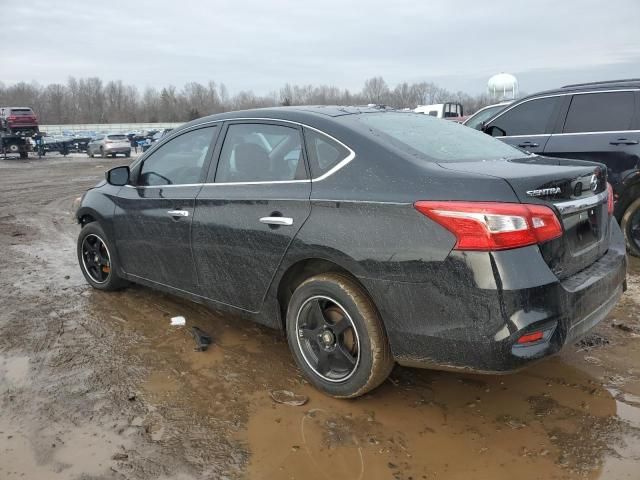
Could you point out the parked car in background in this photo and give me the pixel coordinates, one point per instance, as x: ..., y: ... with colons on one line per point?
x: 19, y: 121
x: 590, y: 121
x: 291, y: 216
x: 109, y: 144
x: 477, y: 119
x: 441, y: 110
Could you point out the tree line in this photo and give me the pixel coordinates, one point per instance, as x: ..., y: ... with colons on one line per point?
x: 91, y: 100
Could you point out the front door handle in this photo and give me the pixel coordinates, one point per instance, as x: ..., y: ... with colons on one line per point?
x: 178, y: 213
x: 528, y: 145
x: 286, y: 221
x: 624, y: 141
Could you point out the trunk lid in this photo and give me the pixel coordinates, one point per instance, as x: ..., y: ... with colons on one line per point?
x: 575, y: 189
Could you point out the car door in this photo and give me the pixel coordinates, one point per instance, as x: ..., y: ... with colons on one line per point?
x: 249, y: 211
x: 527, y: 125
x: 153, y: 216
x: 601, y: 127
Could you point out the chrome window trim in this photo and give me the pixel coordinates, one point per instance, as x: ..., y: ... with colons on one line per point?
x: 325, y: 175
x: 573, y: 206
x: 599, y: 132
x: 551, y: 95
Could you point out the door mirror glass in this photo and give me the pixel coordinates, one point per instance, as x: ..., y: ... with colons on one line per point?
x: 118, y: 176
x: 495, y: 131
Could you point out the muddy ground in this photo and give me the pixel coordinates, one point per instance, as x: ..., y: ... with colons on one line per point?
x: 99, y: 385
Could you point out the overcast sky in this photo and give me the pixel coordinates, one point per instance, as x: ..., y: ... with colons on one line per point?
x: 263, y: 44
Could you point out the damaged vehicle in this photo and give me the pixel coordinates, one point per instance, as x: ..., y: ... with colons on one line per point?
x: 371, y: 237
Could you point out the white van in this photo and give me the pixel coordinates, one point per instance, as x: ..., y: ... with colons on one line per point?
x: 441, y: 110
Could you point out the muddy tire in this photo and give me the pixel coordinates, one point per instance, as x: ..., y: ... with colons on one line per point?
x: 97, y: 259
x: 630, y: 226
x: 337, y: 336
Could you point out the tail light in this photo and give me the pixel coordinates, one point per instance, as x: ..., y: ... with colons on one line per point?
x: 531, y: 337
x: 609, y: 198
x: 490, y: 226
x: 12, y: 117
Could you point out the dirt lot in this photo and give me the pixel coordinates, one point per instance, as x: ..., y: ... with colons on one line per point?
x: 99, y: 385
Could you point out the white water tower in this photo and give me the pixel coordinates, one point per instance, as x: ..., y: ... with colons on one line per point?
x: 503, y: 86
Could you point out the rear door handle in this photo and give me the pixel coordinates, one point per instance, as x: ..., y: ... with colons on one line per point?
x: 624, y: 141
x: 286, y: 221
x: 178, y: 213
x: 528, y: 145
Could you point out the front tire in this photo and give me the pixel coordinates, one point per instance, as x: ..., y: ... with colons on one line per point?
x: 630, y: 225
x: 97, y: 259
x: 337, y: 336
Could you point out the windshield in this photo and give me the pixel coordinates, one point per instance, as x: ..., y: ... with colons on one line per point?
x: 434, y: 139
x: 475, y: 120
x: 116, y: 137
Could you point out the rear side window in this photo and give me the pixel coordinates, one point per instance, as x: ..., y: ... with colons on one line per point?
x: 324, y: 153
x: 179, y: 161
x: 256, y: 152
x: 600, y: 112
x: 21, y: 111
x: 528, y: 118
x: 433, y: 139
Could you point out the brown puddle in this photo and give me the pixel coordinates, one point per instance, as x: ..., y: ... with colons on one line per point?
x: 441, y: 425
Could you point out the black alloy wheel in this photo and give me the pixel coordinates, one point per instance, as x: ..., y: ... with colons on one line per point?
x: 327, y: 338
x: 337, y: 336
x: 96, y: 260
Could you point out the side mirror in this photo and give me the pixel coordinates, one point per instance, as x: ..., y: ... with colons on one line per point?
x: 494, y: 131
x: 118, y: 176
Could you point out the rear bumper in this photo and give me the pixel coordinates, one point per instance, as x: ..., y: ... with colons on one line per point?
x: 474, y: 311
x: 117, y: 149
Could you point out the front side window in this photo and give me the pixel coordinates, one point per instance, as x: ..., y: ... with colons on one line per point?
x: 528, y: 118
x: 179, y: 161
x: 600, y: 112
x: 475, y: 120
x: 324, y: 153
x: 257, y: 152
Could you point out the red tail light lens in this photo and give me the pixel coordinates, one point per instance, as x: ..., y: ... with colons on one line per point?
x: 610, y: 199
x: 531, y: 337
x: 12, y: 117
x: 490, y: 226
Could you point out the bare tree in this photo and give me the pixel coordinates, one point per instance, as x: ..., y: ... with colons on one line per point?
x: 89, y: 100
x: 376, y: 90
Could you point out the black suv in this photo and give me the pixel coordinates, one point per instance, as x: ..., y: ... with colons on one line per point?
x: 590, y: 121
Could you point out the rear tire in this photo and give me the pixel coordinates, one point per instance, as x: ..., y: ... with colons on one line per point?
x: 24, y: 155
x: 97, y: 259
x: 630, y: 225
x: 347, y: 321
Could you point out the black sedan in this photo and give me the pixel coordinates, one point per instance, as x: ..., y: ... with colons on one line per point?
x: 369, y: 236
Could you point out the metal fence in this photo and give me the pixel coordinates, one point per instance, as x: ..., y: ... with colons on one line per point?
x: 105, y: 127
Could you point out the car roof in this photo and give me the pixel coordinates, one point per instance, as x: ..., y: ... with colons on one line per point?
x: 579, y: 87
x: 298, y: 113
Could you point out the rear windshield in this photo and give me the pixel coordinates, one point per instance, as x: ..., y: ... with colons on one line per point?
x: 21, y: 111
x: 435, y: 139
x: 116, y: 137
